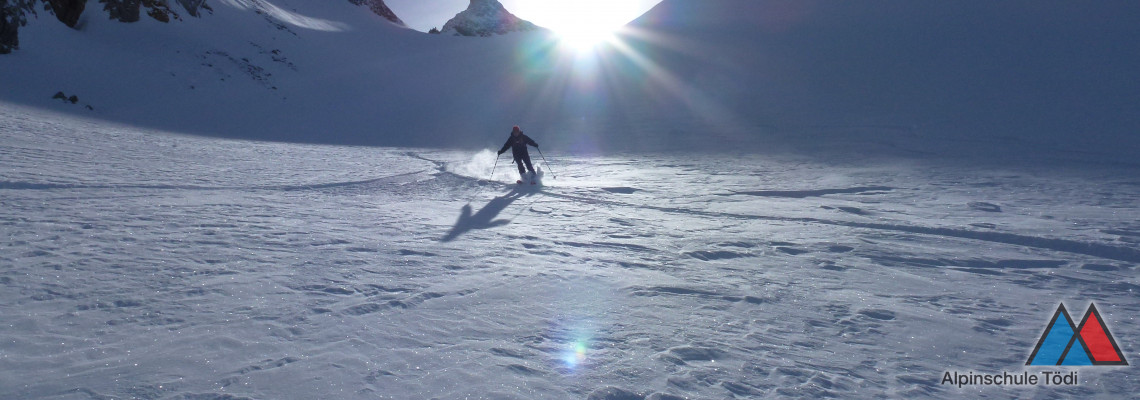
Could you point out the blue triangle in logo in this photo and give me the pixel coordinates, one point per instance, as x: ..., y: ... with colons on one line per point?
x: 1055, y: 341
x: 1077, y: 354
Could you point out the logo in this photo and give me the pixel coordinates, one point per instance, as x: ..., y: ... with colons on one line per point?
x: 1064, y: 343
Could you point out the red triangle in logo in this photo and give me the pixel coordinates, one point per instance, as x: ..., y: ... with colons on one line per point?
x: 1101, y: 346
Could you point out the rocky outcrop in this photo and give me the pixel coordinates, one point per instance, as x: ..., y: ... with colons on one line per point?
x: 122, y: 10
x: 68, y: 11
x: 9, y: 34
x: 129, y: 10
x: 381, y: 9
x: 14, y: 14
x: 486, y: 18
x: 11, y: 19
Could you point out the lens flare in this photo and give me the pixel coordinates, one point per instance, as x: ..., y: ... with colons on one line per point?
x: 582, y: 24
x: 584, y: 39
x: 575, y: 353
x: 628, y: 74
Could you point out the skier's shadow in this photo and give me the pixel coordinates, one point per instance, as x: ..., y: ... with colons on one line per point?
x: 485, y: 217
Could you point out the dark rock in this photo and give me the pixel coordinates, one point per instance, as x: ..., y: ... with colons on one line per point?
x: 381, y: 9
x: 122, y: 10
x: 60, y: 95
x: 73, y: 99
x: 160, y: 10
x: 68, y: 11
x: 12, y: 17
x: 129, y: 10
x: 9, y: 36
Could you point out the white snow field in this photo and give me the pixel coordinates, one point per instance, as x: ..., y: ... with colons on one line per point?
x: 149, y: 265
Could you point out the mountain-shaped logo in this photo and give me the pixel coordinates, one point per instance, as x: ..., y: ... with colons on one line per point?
x: 1064, y: 343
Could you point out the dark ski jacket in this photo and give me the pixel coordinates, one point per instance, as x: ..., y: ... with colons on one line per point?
x: 517, y: 144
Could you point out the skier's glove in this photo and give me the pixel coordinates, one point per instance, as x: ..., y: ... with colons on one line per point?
x: 500, y: 152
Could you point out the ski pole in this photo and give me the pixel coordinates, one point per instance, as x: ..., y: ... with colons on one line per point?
x: 481, y: 187
x: 546, y: 162
x: 493, y: 167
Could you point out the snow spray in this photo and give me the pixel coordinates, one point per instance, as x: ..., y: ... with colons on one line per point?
x: 480, y: 165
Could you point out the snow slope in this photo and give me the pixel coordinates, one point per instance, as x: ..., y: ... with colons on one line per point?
x: 283, y: 70
x: 1012, y: 76
x: 147, y: 264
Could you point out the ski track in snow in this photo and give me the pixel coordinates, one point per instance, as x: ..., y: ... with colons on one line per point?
x: 143, y: 264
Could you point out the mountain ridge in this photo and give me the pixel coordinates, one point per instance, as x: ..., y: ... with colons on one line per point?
x: 486, y: 18
x: 14, y: 14
x: 931, y: 78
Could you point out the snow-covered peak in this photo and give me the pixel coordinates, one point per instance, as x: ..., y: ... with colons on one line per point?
x: 380, y: 9
x: 486, y: 18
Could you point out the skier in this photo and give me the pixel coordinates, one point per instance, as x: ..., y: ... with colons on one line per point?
x: 517, y: 143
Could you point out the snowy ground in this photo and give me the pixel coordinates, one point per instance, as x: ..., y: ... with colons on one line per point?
x: 140, y: 264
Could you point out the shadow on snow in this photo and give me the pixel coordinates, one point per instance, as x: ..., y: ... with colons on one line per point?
x: 485, y: 217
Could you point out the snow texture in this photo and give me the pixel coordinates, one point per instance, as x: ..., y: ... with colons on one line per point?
x: 144, y: 264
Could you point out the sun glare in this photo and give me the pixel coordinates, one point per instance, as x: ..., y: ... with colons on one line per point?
x: 585, y: 36
x: 583, y: 24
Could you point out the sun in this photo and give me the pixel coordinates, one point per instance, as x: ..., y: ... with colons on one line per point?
x: 583, y: 37
x: 582, y: 24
